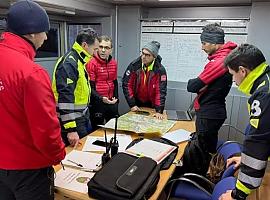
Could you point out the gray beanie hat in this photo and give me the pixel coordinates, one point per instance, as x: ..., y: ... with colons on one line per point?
x: 153, y: 47
x: 26, y: 17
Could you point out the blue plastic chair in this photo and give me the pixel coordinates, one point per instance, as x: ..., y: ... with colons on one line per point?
x: 188, y: 186
x: 221, y: 187
x: 229, y: 149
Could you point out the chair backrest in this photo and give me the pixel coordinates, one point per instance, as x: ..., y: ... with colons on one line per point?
x: 222, y: 186
x: 229, y: 149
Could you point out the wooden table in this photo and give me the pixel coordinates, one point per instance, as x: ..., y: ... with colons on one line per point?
x: 164, y: 174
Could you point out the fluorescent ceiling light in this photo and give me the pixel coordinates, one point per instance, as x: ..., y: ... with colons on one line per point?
x: 169, y: 0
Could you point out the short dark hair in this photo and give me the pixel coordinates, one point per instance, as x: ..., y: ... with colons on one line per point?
x: 87, y: 35
x: 215, y: 27
x: 246, y: 55
x: 105, y: 38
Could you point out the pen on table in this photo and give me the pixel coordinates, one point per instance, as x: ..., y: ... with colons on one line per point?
x: 62, y: 165
x: 78, y: 164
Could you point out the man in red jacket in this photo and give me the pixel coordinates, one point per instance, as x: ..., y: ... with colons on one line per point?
x: 102, y: 70
x: 29, y: 131
x: 145, y: 81
x: 212, y: 86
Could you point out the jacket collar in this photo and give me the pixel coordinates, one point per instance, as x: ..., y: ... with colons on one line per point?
x: 223, y: 51
x: 248, y: 82
x: 18, y: 43
x: 97, y: 57
x: 84, y: 55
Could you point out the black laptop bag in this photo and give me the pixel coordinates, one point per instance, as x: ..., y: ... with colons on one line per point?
x: 125, y: 177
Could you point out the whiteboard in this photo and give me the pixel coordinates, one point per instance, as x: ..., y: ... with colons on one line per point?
x: 181, y: 52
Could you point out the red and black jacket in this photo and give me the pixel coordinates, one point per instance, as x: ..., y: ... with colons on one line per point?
x: 210, y: 101
x: 103, y: 77
x: 146, y: 87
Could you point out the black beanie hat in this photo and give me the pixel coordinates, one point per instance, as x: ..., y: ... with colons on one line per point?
x: 26, y: 17
x: 213, y: 34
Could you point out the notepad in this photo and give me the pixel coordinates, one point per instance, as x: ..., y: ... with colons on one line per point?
x: 156, y: 150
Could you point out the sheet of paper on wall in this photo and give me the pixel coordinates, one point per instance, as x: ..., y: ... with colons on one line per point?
x: 156, y: 150
x: 178, y: 136
x: 123, y: 141
x: 140, y: 124
x: 73, y: 179
x: 83, y: 160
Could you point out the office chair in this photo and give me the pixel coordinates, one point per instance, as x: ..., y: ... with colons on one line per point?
x: 196, y: 187
x: 221, y: 187
x: 220, y: 142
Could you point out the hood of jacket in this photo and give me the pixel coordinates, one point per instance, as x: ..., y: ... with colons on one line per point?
x: 18, y: 43
x: 223, y: 51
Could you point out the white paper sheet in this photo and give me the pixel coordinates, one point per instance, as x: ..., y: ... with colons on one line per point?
x: 177, y: 136
x: 73, y: 179
x: 87, y: 160
x: 156, y: 150
x: 122, y: 139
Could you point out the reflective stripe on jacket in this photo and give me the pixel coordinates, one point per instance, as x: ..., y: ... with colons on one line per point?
x: 256, y: 148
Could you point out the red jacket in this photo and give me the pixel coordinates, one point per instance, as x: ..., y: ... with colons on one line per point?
x: 145, y: 87
x: 210, y: 101
x: 103, y: 76
x: 29, y: 131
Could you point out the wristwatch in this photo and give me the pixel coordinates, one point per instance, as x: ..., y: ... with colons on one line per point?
x: 238, y: 195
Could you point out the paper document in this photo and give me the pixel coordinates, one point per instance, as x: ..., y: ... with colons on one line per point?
x: 73, y: 179
x: 84, y: 160
x: 123, y: 141
x: 140, y: 124
x: 156, y: 150
x: 178, y: 136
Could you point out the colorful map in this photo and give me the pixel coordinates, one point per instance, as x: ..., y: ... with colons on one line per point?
x: 140, y: 124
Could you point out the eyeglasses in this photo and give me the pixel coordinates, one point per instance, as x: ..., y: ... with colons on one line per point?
x: 146, y: 54
x: 104, y: 47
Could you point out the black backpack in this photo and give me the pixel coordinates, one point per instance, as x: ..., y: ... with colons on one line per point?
x: 195, y: 159
x: 125, y: 177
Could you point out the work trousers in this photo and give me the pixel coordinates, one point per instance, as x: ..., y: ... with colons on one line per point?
x: 207, y: 130
x: 83, y: 128
x: 36, y: 184
x: 101, y: 113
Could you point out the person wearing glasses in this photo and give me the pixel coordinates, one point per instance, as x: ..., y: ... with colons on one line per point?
x: 72, y: 89
x: 102, y: 70
x: 145, y: 81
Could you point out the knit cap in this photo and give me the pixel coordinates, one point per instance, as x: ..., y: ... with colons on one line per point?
x: 26, y: 17
x: 153, y: 47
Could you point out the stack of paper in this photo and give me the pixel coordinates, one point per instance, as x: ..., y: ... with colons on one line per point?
x: 156, y: 150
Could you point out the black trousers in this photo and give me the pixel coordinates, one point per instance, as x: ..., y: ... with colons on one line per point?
x: 37, y: 184
x: 207, y: 130
x: 100, y: 113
